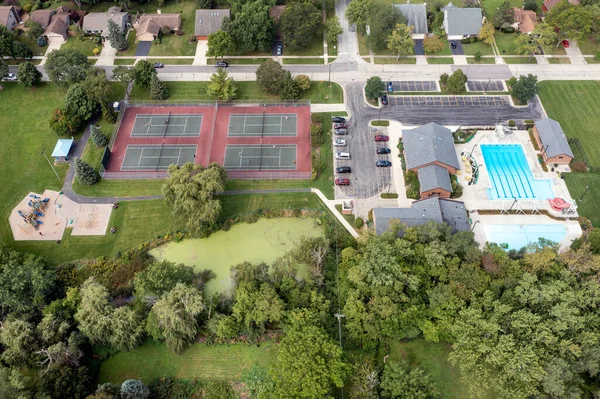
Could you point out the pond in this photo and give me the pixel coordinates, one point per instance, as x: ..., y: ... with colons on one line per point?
x: 263, y: 241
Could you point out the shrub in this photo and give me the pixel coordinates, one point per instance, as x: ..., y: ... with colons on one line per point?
x: 457, y: 189
x: 413, y: 188
x: 318, y: 165
x: 98, y: 138
x: 597, y: 55
x: 359, y: 223
x: 85, y: 174
x: 134, y: 389
x: 578, y: 167
x: 511, y: 82
x: 477, y: 56
x: 456, y: 82
x: 512, y: 123
x: 219, y: 390
x: 533, y: 140
x: 317, y: 138
x: 64, y: 123
x: 158, y: 89
x: 192, y: 39
x: 444, y: 79
x: 303, y: 82
x: 388, y: 195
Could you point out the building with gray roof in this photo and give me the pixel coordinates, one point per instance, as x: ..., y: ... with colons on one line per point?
x: 435, y: 209
x: 429, y: 144
x: 97, y: 22
x: 552, y: 141
x: 460, y: 23
x: 209, y: 21
x: 416, y: 16
x: 434, y: 180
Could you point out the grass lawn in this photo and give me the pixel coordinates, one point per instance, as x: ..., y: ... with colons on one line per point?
x: 590, y: 206
x: 301, y: 61
x: 85, y: 46
x: 472, y: 60
x: 561, y: 60
x: 172, y: 61
x: 173, y: 44
x: 592, y: 60
x: 244, y: 61
x: 215, y: 362
x: 490, y: 6
x: 472, y: 48
x: 589, y: 47
x: 119, y: 188
x: 395, y: 61
x: 506, y: 43
x: 447, y: 60
x: 362, y: 45
x: 10, y: 61
x: 314, y: 48
x: 240, y: 204
x: 131, y: 44
x: 32, y: 44
x: 124, y: 61
x: 520, y: 60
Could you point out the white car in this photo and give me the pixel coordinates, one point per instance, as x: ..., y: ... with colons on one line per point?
x: 11, y: 77
x: 339, y: 143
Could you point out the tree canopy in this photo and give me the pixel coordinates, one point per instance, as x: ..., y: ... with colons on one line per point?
x: 300, y: 24
x: 358, y: 12
x: 220, y: 43
x: 400, y: 41
x: 66, y: 67
x: 221, y: 86
x: 251, y: 28
x: 383, y: 19
x: 374, y: 87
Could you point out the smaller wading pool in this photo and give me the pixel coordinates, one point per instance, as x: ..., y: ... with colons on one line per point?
x: 519, y: 235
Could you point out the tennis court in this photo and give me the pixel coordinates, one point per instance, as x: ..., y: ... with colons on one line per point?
x: 157, y: 157
x: 260, y: 157
x: 166, y: 125
x: 263, y: 125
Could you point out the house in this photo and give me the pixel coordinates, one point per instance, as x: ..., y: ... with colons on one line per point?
x: 434, y: 209
x: 209, y: 21
x: 97, y: 22
x: 552, y: 142
x: 148, y: 26
x: 434, y: 181
x: 54, y: 22
x: 549, y: 4
x: 416, y: 17
x: 9, y: 17
x: 461, y: 23
x: 525, y: 20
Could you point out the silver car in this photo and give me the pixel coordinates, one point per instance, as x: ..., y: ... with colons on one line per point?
x: 341, y: 131
x: 11, y: 77
x: 339, y: 143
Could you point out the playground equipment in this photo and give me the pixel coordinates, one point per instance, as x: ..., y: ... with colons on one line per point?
x: 37, y: 204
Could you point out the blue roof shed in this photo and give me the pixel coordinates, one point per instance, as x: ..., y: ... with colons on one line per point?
x: 62, y: 148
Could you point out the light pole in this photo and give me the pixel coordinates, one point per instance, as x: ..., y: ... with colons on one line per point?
x: 50, y: 163
x: 329, y: 74
x: 584, y: 193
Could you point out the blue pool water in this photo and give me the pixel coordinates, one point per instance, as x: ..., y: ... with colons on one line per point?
x: 517, y: 236
x: 510, y: 175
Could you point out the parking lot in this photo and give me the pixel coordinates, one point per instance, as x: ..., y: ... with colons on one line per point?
x: 415, y: 86
x: 485, y: 85
x: 448, y: 101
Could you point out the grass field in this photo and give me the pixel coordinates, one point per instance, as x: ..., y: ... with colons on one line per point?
x: 395, y: 61
x: 85, y: 46
x: 520, y: 60
x: 32, y: 44
x: 303, y: 61
x: 589, y: 207
x: 172, y: 61
x: 215, y: 362
x: 472, y: 60
x: 124, y: 61
x: 561, y: 60
x: 472, y: 48
x: 314, y: 48
x: 506, y: 43
x: 447, y: 60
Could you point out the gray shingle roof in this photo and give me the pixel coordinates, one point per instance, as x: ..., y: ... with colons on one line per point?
x: 209, y: 21
x: 429, y: 143
x: 551, y: 135
x: 432, y: 209
x: 98, y: 21
x: 433, y: 177
x: 416, y: 15
x: 463, y: 21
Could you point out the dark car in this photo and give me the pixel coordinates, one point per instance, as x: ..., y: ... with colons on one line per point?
x: 340, y: 126
x: 221, y: 64
x: 343, y: 169
x: 340, y: 132
x: 384, y: 99
x: 383, y: 164
x: 279, y: 49
x: 383, y: 150
x: 338, y: 119
x: 342, y: 182
x: 158, y: 65
x: 381, y: 137
x: 452, y: 45
x: 390, y: 87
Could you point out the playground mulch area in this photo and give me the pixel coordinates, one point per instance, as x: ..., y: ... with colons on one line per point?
x: 274, y: 140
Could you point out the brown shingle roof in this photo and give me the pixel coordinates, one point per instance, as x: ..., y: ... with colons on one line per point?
x: 59, y: 24
x: 42, y: 17
x: 210, y: 21
x: 5, y: 12
x: 526, y: 19
x: 548, y: 4
x: 173, y: 21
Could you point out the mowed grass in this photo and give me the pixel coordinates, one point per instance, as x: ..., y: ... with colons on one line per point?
x: 214, y: 362
x: 85, y: 46
x: 447, y: 60
x: 241, y: 204
x: 589, y: 207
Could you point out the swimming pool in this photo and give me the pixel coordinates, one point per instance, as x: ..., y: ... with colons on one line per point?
x: 517, y: 236
x: 510, y: 175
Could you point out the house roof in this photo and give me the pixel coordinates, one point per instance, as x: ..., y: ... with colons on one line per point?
x: 99, y: 20
x: 429, y: 143
x: 5, y: 12
x: 549, y: 4
x: 463, y: 21
x: 210, y: 21
x: 525, y: 19
x: 147, y: 26
x: 42, y: 17
x: 434, y: 177
x: 173, y: 21
x: 552, y: 136
x: 434, y: 209
x: 416, y: 16
x: 59, y: 24
x: 62, y: 148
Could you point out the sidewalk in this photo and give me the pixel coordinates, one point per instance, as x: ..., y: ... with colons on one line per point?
x: 328, y: 108
x: 575, y: 55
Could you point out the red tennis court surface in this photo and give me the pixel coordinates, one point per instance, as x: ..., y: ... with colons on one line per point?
x: 144, y: 156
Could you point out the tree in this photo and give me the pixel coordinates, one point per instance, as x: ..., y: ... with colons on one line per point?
x: 18, y: 338
x: 97, y: 87
x: 143, y: 71
x: 383, y: 18
x: 525, y: 88
x: 530, y: 5
x: 269, y: 76
x: 221, y: 86
x: 256, y: 308
x: 486, y: 33
x: 402, y: 381
x: 358, y: 12
x: 433, y: 44
x: 174, y: 317
x: 158, y: 89
x: 159, y: 278
x: 504, y: 15
x: 374, y: 87
x: 456, y: 82
x: 98, y: 138
x: 364, y: 382
x: 303, y: 82
x: 251, y: 28
x: 540, y: 41
x: 289, y: 91
x: 309, y: 363
x: 220, y: 43
x: 127, y: 329
x: 300, y: 24
x: 134, y: 389
x: 34, y: 29
x: 78, y: 103
x: 572, y: 21
x: 66, y: 67
x: 7, y: 39
x: 123, y: 74
x: 333, y: 29
x: 84, y: 173
x: 3, y: 69
x: 64, y: 123
x: 28, y: 75
x: 190, y: 193
x: 116, y: 37
x: 21, y: 50
x: 95, y: 311
x: 400, y: 41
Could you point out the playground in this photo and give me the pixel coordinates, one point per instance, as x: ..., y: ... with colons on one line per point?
x: 46, y: 216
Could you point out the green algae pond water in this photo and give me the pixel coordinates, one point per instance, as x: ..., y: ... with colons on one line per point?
x: 263, y: 241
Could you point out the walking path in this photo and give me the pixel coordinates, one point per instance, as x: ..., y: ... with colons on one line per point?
x: 575, y: 55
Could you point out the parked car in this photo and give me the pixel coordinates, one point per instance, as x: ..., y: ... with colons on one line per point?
x: 390, y: 87
x: 338, y: 119
x: 42, y: 41
x: 384, y: 150
x: 383, y: 164
x: 565, y: 43
x: 452, y: 45
x: 342, y: 155
x: 340, y: 132
x: 384, y: 99
x: 343, y: 169
x: 158, y: 65
x: 279, y: 49
x: 340, y: 126
x: 339, y: 143
x: 10, y: 77
x: 381, y: 137
x: 342, y: 182
x: 221, y: 64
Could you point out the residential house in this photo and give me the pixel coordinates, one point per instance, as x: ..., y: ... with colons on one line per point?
x: 54, y: 22
x: 416, y: 17
x: 209, y: 21
x: 525, y: 20
x: 438, y: 210
x: 148, y: 26
x: 97, y: 22
x: 9, y: 17
x: 549, y: 4
x: 429, y: 152
x: 461, y: 23
x: 552, y: 141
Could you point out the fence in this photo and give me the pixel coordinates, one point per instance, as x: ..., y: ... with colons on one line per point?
x: 234, y: 103
x: 132, y: 175
x: 262, y: 175
x: 117, y: 125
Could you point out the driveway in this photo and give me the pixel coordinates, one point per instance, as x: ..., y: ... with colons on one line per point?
x: 459, y: 48
x: 574, y: 54
x: 419, y: 47
x: 143, y: 48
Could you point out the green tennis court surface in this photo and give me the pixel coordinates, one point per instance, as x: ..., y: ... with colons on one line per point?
x: 262, y: 125
x: 260, y: 157
x: 166, y: 125
x: 157, y: 157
